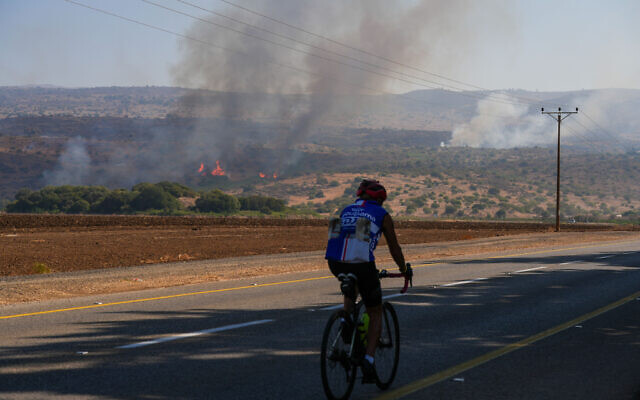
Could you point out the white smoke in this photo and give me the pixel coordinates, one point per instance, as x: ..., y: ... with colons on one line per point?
x: 420, y: 32
x: 74, y: 165
x: 501, y: 122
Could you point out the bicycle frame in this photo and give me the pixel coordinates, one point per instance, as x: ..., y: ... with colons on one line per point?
x: 342, y: 352
x: 347, y: 283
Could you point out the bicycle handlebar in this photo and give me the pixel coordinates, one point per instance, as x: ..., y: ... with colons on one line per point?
x: 407, y: 279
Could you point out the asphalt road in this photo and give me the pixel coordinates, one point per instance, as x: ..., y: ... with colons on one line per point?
x: 552, y: 324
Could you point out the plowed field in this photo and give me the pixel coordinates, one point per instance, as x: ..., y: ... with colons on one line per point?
x: 57, y: 243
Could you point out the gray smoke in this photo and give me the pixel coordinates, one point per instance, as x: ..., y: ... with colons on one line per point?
x: 74, y: 165
x: 432, y: 34
x: 251, y: 99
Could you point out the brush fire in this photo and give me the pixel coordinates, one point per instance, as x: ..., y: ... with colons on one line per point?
x: 219, y: 171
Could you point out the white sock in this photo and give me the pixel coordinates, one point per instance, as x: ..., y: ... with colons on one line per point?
x: 369, y: 358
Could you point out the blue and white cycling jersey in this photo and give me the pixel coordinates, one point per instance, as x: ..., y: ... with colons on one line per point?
x: 356, y: 236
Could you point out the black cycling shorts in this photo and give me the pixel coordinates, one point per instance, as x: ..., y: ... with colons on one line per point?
x: 368, y: 280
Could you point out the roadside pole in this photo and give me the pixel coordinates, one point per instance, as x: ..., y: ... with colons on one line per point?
x: 559, y: 116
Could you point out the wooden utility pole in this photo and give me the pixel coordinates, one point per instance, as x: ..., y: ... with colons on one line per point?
x: 558, y: 116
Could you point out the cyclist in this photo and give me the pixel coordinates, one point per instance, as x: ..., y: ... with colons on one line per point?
x: 352, y: 240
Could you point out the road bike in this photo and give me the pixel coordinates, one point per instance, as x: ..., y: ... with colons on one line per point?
x: 344, y: 342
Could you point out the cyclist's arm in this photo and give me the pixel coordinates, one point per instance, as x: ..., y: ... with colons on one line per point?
x: 392, y: 242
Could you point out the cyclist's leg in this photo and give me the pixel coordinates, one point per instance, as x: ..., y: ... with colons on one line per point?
x: 375, y: 328
x: 372, y: 298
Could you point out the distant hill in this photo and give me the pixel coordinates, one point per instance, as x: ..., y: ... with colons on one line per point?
x: 418, y: 110
x: 275, y: 145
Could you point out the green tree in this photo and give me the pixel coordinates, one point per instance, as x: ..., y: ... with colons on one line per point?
x: 217, y: 201
x: 114, y: 203
x: 176, y: 189
x: 261, y: 203
x: 79, y: 207
x: 153, y: 197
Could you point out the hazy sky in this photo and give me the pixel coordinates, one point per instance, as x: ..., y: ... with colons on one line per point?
x: 542, y: 45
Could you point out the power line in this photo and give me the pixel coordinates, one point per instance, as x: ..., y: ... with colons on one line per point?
x: 607, y: 132
x: 333, y: 60
x: 350, y: 47
x: 298, y: 41
x: 213, y: 45
x: 596, y: 136
x: 597, y: 148
x: 559, y: 116
x: 271, y: 60
x: 278, y: 44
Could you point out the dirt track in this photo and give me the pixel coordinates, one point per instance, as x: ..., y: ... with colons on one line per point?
x: 72, y: 246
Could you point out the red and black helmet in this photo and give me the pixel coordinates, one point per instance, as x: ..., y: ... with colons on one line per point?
x: 374, y: 189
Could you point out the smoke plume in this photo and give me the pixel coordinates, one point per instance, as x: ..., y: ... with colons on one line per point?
x: 255, y: 101
x: 500, y: 122
x: 73, y: 166
x: 431, y: 34
x: 606, y: 121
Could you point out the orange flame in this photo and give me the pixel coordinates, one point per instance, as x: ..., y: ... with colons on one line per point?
x: 218, y: 171
x: 201, y: 167
x: 275, y: 176
x: 261, y: 175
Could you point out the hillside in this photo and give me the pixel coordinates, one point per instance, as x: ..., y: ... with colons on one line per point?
x: 88, y: 136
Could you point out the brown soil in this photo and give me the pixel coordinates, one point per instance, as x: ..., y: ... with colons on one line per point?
x: 69, y: 244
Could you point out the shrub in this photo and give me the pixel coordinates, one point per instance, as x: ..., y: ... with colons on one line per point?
x: 261, y: 203
x: 153, y: 197
x: 217, y: 201
x: 41, y: 268
x: 79, y: 207
x: 115, y: 202
x: 175, y: 189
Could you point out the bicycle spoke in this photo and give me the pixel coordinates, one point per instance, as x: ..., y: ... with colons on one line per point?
x: 338, y: 372
x: 388, y: 351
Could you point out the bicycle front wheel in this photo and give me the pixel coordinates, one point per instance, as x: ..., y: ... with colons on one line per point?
x: 388, y: 350
x: 337, y: 370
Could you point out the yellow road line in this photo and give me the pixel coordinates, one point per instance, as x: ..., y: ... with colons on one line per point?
x: 451, y: 372
x: 173, y: 296
x: 263, y: 285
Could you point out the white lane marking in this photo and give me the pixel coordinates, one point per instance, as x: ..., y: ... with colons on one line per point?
x: 569, y: 262
x: 603, y: 257
x: 458, y: 283
x: 529, y: 269
x: 463, y: 282
x: 338, y: 306
x: 192, y: 334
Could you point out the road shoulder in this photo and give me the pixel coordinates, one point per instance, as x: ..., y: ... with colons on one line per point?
x: 32, y: 288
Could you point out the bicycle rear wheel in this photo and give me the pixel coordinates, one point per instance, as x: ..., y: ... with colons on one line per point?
x: 388, y: 350
x: 337, y: 370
